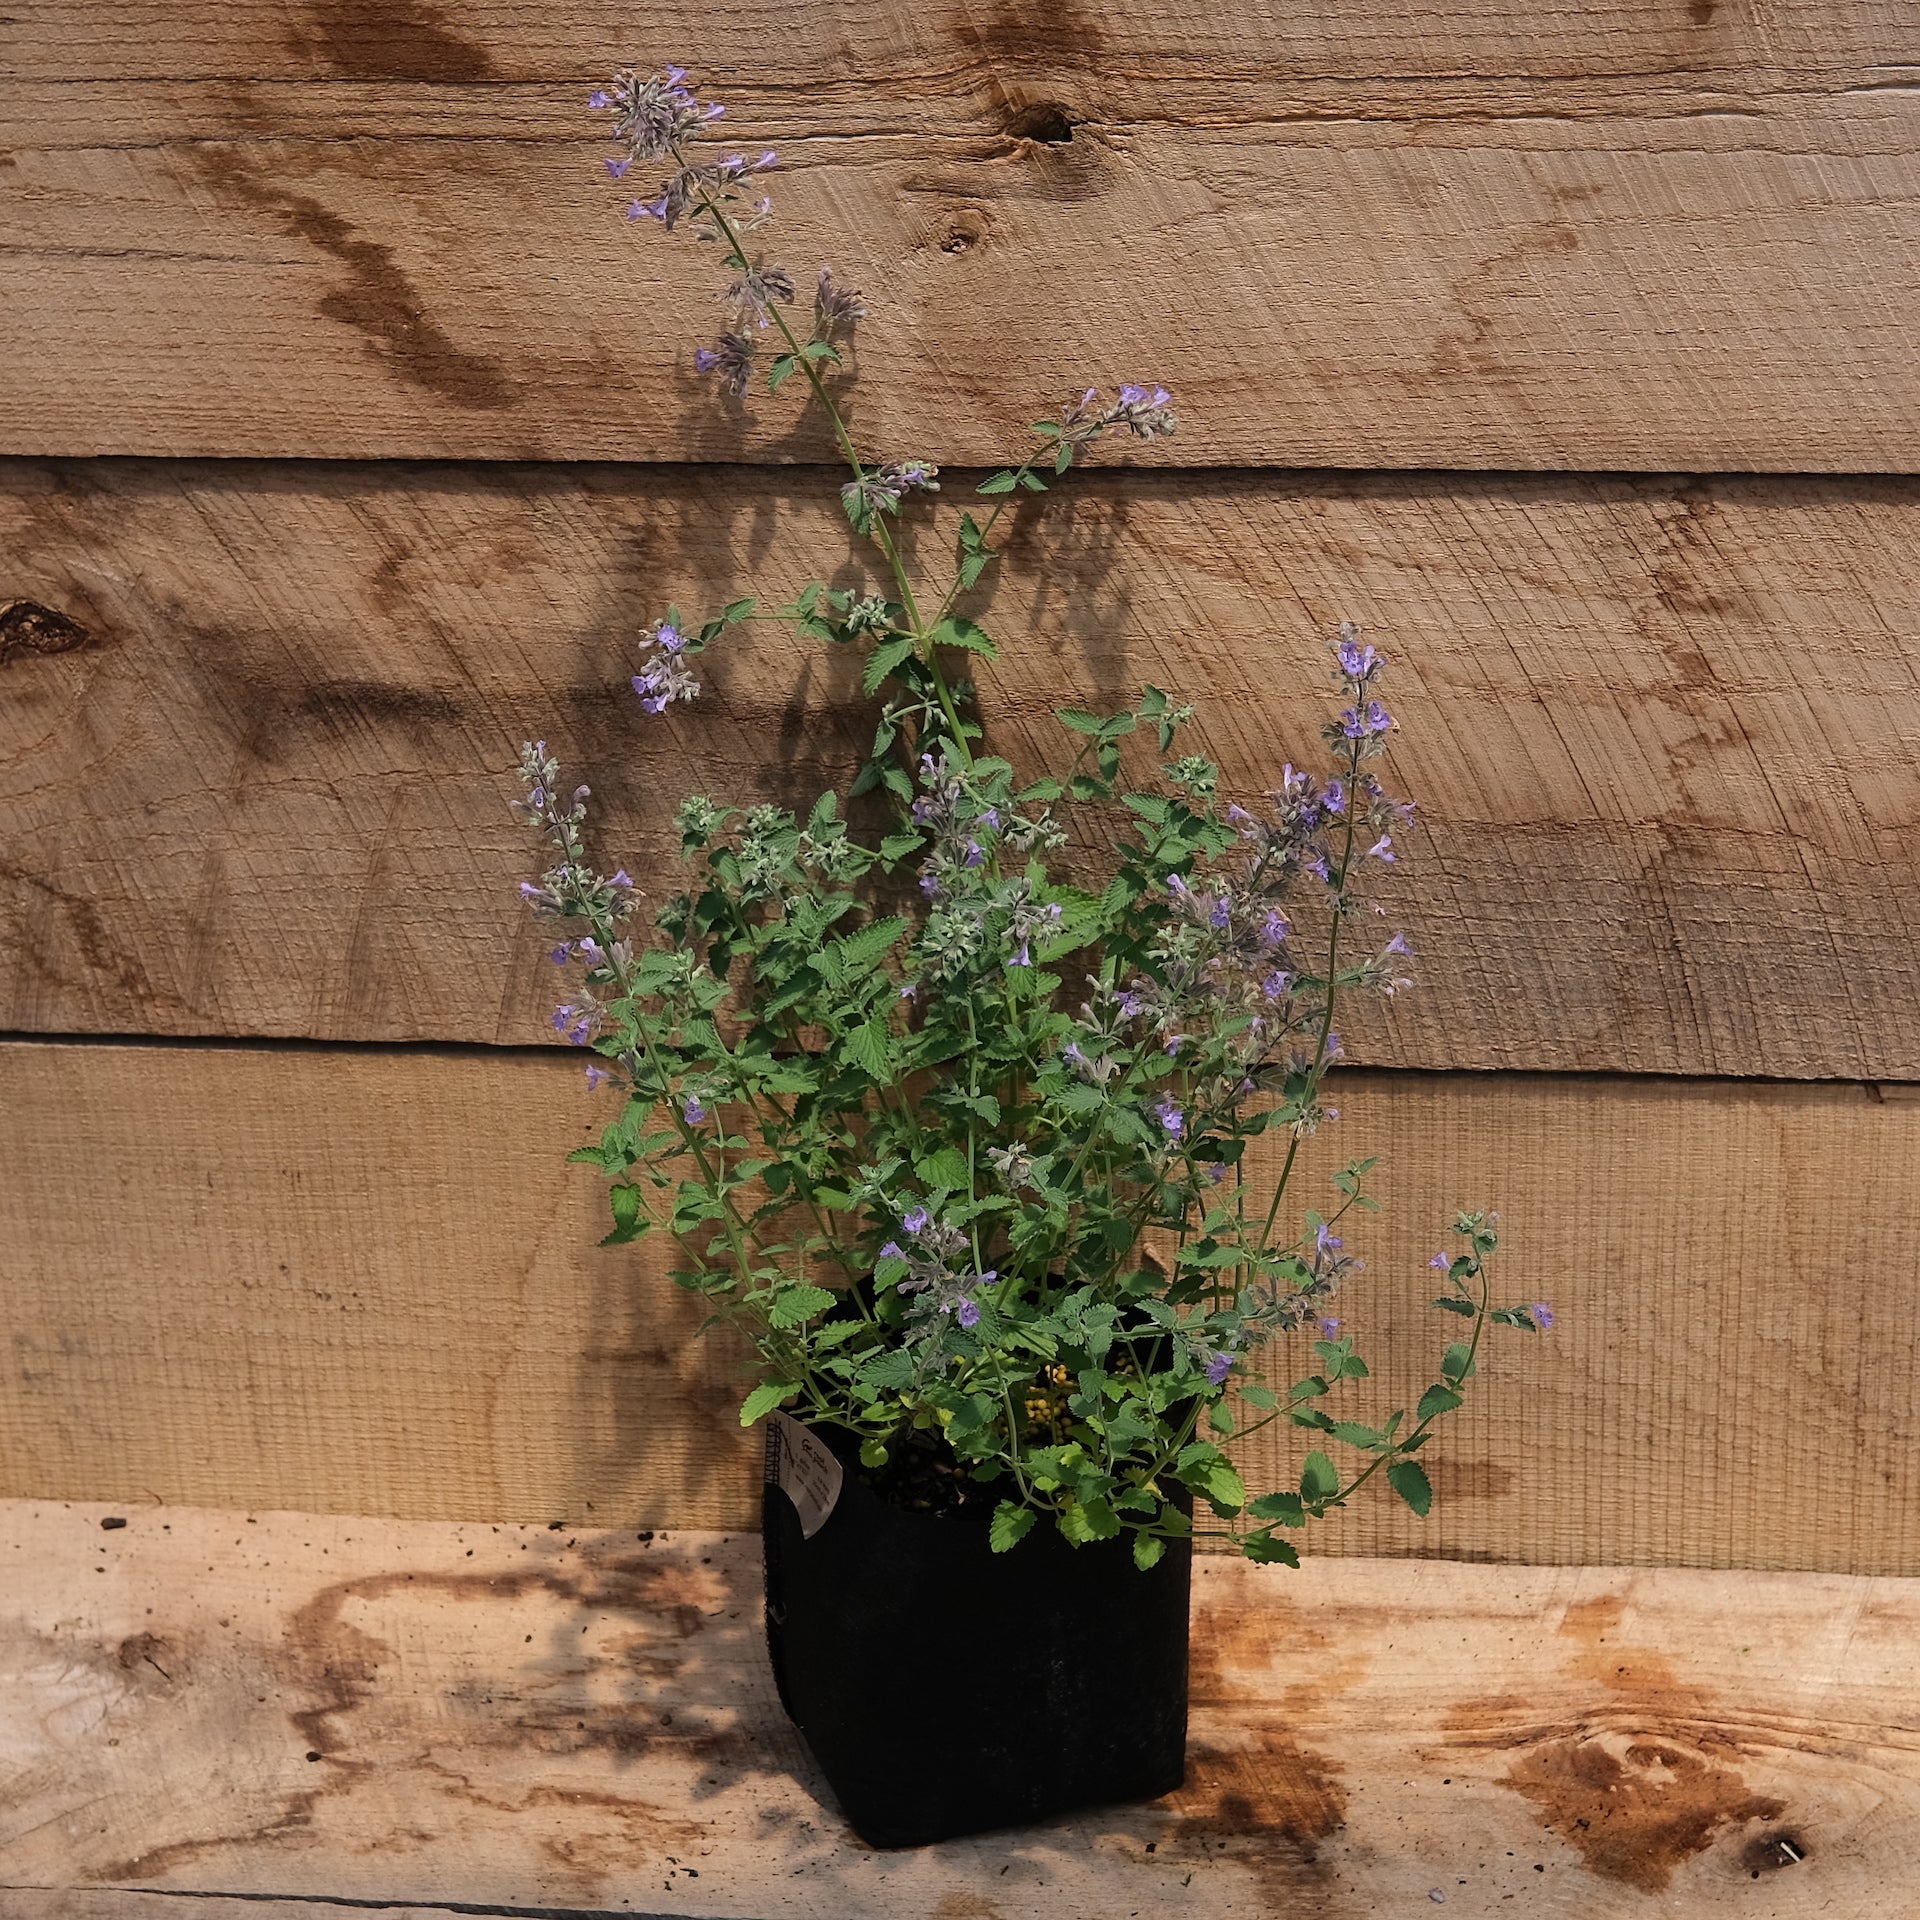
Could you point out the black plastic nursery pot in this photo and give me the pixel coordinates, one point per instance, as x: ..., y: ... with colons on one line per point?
x: 946, y: 1689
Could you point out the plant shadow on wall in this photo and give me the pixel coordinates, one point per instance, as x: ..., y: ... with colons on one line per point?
x: 973, y: 1098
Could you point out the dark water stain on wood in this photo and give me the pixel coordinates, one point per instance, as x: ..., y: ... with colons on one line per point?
x: 1262, y: 1800
x: 375, y: 297
x: 1635, y: 1809
x: 1641, y: 1780
x: 641, y: 1690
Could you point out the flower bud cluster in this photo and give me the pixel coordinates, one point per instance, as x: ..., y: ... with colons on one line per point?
x: 666, y: 677
x: 1145, y: 412
x: 881, y: 489
x: 940, y: 1270
x: 975, y: 910
x: 656, y: 117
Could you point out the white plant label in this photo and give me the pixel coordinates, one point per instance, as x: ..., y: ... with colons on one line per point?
x: 805, y: 1470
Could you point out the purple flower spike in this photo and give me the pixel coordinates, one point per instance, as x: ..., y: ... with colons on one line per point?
x: 560, y: 954
x: 1542, y: 1316
x: 1327, y: 1240
x: 1173, y: 1122
x: 891, y: 1251
x: 1220, y: 917
x: 1218, y: 1368
x: 1357, y: 662
x: 916, y: 1220
x: 967, y: 1313
x: 692, y: 1111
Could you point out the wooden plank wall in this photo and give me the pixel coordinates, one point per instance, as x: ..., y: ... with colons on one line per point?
x: 345, y: 438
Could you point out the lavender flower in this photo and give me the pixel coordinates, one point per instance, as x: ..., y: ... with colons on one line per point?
x: 666, y: 677
x: 1172, y: 1121
x: 1357, y: 663
x: 577, y: 1020
x: 1143, y: 411
x: 1218, y: 1368
x: 692, y: 1111
x: 652, y: 115
x: 1542, y: 1316
x: 1360, y: 723
x: 1443, y: 1260
x: 730, y: 360
x: 916, y: 1220
x: 1146, y: 412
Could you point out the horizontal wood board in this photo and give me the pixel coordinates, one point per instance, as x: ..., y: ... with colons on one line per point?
x: 512, y: 1720
x: 1659, y: 234
x: 1663, y: 733
x: 364, y: 1281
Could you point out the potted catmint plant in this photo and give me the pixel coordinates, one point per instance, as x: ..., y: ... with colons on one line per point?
x: 946, y: 1087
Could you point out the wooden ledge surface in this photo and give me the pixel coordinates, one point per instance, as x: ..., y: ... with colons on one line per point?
x: 233, y: 1716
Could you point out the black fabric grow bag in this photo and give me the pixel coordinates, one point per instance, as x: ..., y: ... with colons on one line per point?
x: 946, y: 1689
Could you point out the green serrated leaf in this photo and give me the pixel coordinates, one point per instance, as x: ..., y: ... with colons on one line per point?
x: 1319, y: 1478
x: 1282, y: 1507
x: 793, y: 1306
x: 1269, y: 1550
x: 1002, y: 482
x: 1147, y: 1549
x: 764, y: 1398
x: 1435, y: 1401
x: 1079, y: 720
x: 630, y: 1219
x: 958, y: 631
x: 1408, y: 1478
x: 882, y: 661
x: 867, y: 1046
x: 1011, y: 1524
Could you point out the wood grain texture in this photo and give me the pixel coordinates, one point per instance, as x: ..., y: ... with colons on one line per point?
x: 363, y: 1281
x: 1664, y: 735
x: 1656, y: 234
x: 363, y: 1711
